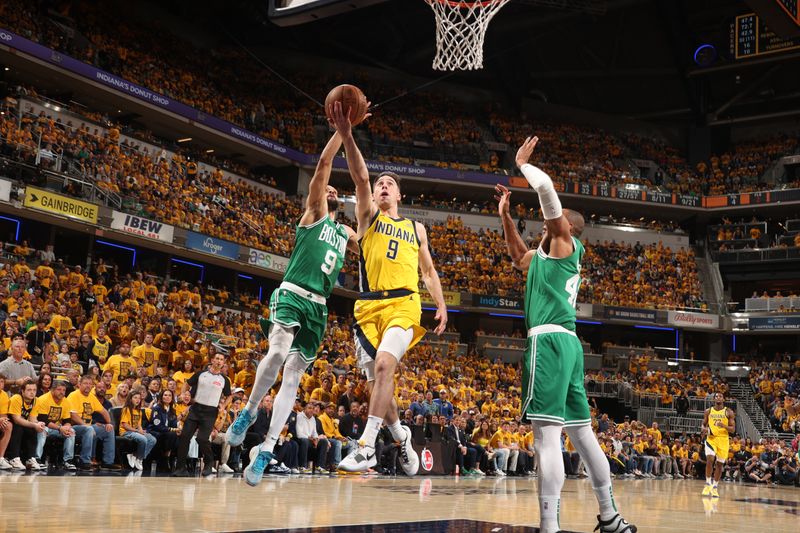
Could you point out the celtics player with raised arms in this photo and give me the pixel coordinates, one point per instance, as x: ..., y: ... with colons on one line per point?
x: 552, y: 387
x: 298, y: 311
x: 719, y: 422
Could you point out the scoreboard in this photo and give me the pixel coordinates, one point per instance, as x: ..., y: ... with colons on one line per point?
x: 792, y: 8
x: 750, y: 36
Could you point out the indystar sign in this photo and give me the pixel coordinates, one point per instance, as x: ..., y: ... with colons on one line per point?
x: 693, y: 320
x: 141, y: 226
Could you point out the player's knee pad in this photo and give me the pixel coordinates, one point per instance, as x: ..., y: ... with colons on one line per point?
x: 291, y: 376
x: 396, y: 341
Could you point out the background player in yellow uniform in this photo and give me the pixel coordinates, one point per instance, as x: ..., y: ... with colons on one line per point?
x: 388, y: 311
x: 719, y: 422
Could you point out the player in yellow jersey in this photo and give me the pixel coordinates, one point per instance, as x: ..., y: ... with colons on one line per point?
x: 393, y: 252
x: 719, y: 422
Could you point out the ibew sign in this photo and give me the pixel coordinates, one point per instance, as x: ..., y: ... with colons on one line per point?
x: 141, y: 226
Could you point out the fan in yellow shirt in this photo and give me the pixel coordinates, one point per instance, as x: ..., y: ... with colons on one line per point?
x: 147, y: 355
x: 60, y: 322
x: 121, y: 364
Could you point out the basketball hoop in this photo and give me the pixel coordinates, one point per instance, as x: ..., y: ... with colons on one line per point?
x: 460, y: 29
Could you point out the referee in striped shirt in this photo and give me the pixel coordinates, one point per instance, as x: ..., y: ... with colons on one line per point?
x: 207, y: 388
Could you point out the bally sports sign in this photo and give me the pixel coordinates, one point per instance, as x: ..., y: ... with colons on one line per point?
x: 144, y: 227
x: 693, y: 320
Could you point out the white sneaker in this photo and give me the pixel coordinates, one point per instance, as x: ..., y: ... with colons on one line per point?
x: 138, y: 465
x: 33, y: 464
x: 614, y: 525
x: 132, y: 461
x: 225, y: 469
x: 480, y: 472
x: 500, y: 473
x: 4, y: 464
x: 213, y: 470
x: 360, y: 460
x: 409, y: 459
x: 16, y: 464
x: 294, y: 470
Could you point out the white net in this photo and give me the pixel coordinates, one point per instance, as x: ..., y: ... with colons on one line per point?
x: 460, y: 30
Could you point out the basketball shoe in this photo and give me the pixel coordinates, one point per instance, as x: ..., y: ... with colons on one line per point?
x: 707, y: 490
x: 238, y: 430
x: 617, y: 524
x: 409, y: 459
x: 258, y: 463
x: 714, y: 492
x: 363, y: 458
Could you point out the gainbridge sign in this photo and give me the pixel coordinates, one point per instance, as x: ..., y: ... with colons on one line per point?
x: 60, y: 205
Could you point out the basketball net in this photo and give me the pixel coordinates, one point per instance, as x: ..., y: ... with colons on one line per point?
x: 460, y: 29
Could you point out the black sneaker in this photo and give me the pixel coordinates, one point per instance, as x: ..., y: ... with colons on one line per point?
x: 181, y: 472
x: 207, y: 472
x: 83, y: 467
x: 69, y: 465
x: 110, y: 466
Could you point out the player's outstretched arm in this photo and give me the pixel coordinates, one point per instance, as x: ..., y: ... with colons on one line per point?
x: 554, y: 220
x: 365, y: 207
x: 317, y: 201
x: 731, y: 421
x: 517, y: 249
x: 431, y: 278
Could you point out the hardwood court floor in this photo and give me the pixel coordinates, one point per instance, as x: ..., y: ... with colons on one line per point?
x: 73, y: 503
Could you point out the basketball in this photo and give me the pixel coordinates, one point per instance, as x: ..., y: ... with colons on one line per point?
x: 351, y: 97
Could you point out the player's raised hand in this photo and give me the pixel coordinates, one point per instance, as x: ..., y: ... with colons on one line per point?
x: 441, y: 316
x: 341, y: 123
x: 525, y: 151
x: 503, y: 198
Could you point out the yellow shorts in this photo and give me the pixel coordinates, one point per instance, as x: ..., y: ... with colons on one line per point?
x: 374, y: 317
x: 717, y: 446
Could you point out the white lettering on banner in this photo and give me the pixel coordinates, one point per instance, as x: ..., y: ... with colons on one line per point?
x: 258, y: 140
x: 132, y: 89
x: 267, y: 260
x: 211, y: 246
x: 697, y: 320
x: 5, y: 36
x: 143, y: 227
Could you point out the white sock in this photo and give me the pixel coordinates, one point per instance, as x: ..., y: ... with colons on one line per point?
x: 605, y: 498
x: 548, y: 510
x: 716, y: 483
x: 708, y: 481
x: 371, y: 430
x: 547, y: 441
x: 280, y: 341
x: 585, y: 442
x: 282, y: 407
x: 398, y: 433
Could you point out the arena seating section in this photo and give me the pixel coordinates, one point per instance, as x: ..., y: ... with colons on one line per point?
x: 414, y: 130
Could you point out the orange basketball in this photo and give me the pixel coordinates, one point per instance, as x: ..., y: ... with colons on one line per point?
x: 351, y: 97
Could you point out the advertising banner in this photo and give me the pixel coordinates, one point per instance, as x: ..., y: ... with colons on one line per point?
x: 210, y: 245
x: 625, y: 313
x: 693, y: 320
x: 774, y: 322
x: 5, y: 190
x: 263, y: 259
x: 497, y: 302
x: 144, y: 227
x: 450, y: 298
x: 58, y: 204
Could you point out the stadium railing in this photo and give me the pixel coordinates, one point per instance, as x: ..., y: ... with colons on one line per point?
x: 771, y: 304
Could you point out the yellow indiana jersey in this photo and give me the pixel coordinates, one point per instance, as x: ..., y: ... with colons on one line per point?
x: 715, y: 416
x: 389, y: 255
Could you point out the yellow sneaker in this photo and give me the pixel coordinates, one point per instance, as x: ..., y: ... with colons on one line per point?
x: 714, y: 493
x: 707, y: 490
